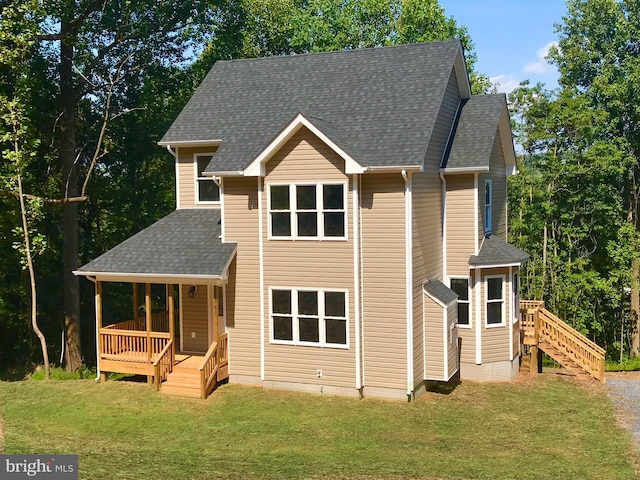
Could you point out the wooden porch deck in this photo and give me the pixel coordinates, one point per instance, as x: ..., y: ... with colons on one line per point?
x: 124, y: 349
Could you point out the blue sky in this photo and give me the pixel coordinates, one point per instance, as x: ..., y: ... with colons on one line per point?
x: 511, y: 37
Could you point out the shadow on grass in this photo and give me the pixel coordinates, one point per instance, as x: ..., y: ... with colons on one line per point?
x: 444, y: 388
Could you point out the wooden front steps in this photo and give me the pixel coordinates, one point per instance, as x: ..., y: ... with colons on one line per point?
x: 184, y: 380
x: 542, y: 330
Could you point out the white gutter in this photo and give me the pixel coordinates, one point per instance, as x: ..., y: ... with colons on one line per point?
x: 409, y: 278
x: 191, y: 143
x: 403, y: 169
x: 261, y: 256
x: 361, y: 272
x: 461, y: 170
x: 356, y: 276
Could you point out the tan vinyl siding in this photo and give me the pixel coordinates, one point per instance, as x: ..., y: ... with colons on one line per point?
x: 186, y: 182
x: 468, y: 347
x: 495, y: 340
x: 498, y: 174
x: 460, y: 234
x: 434, y: 341
x: 312, y: 264
x: 516, y: 339
x: 384, y: 281
x: 243, y: 289
x: 452, y: 339
x: 195, y: 319
x: 418, y: 340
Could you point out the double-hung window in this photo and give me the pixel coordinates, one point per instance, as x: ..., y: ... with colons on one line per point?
x: 461, y: 287
x: 314, y: 211
x: 487, y: 205
x: 206, y: 189
x: 494, y: 286
x: 309, y: 317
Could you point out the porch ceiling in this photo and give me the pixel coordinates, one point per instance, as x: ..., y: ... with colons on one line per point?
x: 185, y: 244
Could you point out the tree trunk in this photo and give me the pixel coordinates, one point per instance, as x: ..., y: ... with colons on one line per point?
x: 71, y: 285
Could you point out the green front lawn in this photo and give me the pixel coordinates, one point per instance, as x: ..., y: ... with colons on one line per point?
x: 544, y: 428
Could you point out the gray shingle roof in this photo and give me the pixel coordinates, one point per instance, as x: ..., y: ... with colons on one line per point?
x: 495, y: 251
x: 476, y: 131
x: 440, y: 291
x: 185, y: 242
x: 383, y: 101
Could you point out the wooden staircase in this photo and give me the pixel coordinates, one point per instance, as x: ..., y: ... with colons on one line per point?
x: 184, y: 380
x: 543, y: 331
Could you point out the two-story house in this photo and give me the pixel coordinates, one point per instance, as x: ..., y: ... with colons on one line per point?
x: 340, y: 227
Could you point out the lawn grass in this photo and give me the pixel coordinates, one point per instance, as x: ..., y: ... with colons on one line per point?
x: 544, y: 428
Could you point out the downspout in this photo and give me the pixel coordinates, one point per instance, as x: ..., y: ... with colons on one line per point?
x: 175, y: 156
x: 445, y: 272
x: 477, y: 280
x: 409, y: 279
x: 261, y: 260
x: 97, y: 379
x: 356, y: 277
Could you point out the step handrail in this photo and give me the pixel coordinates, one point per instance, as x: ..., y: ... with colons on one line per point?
x: 163, y: 364
x: 209, y: 370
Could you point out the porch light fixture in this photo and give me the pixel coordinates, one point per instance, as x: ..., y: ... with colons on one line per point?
x: 192, y: 290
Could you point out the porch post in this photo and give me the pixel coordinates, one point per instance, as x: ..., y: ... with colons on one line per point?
x: 147, y: 314
x: 99, y: 346
x: 135, y: 303
x: 172, y: 320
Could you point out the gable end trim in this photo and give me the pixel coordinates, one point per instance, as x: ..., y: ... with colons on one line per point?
x: 257, y: 167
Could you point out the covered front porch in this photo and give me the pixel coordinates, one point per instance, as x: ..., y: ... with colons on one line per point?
x: 151, y: 345
x: 181, y: 344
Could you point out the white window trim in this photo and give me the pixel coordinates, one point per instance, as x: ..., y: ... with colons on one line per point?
x: 468, y: 279
x: 488, y: 207
x: 196, y: 181
x: 322, y: 343
x: 487, y: 301
x: 515, y: 297
x: 319, y: 211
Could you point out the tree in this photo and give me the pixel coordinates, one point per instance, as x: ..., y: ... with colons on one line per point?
x: 598, y: 56
x: 18, y: 35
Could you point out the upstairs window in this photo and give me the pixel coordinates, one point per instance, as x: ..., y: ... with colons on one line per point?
x: 206, y: 189
x: 307, y: 211
x: 494, y: 286
x: 461, y: 287
x: 487, y: 205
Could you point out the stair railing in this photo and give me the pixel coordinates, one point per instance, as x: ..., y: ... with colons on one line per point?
x: 163, y: 364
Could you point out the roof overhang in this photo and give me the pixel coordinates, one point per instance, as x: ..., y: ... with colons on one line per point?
x: 257, y: 167
x: 463, y: 170
x: 498, y: 265
x: 162, y: 278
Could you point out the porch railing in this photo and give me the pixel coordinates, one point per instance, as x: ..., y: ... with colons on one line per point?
x: 159, y: 323
x: 132, y: 345
x: 215, y: 358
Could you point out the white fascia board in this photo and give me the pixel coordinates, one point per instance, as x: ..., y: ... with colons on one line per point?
x: 229, y: 173
x: 461, y: 170
x: 257, y: 167
x: 394, y: 168
x: 191, y: 143
x: 152, y: 277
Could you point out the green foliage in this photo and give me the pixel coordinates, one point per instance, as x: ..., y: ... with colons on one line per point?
x: 83, y: 373
x: 628, y: 364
